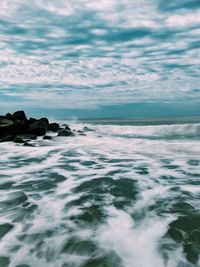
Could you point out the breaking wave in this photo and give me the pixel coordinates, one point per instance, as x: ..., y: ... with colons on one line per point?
x: 121, y: 196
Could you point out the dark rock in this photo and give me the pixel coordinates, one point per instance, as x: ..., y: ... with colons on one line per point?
x: 67, y: 128
x: 19, y: 115
x: 5, y: 122
x: 28, y: 144
x: 27, y: 136
x: 65, y: 125
x: 18, y: 140
x: 81, y: 133
x: 31, y: 120
x: 53, y: 127
x: 65, y: 133
x: 9, y: 116
x: 15, y: 129
x: 87, y: 129
x: 42, y: 123
x: 7, y: 138
x: 37, y: 131
x: 47, y: 137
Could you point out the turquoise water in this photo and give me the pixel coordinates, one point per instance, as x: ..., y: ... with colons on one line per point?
x: 122, y: 196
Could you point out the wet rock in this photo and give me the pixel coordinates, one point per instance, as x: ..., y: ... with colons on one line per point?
x: 18, y: 140
x: 65, y: 133
x: 7, y: 138
x: 42, y: 123
x: 37, y: 131
x: 5, y: 228
x: 27, y: 136
x: 9, y: 116
x: 12, y: 130
x: 18, y: 129
x: 87, y: 129
x: 31, y: 120
x: 19, y: 115
x: 28, y: 144
x: 65, y: 125
x: 5, y: 122
x: 67, y: 128
x: 53, y: 127
x: 47, y: 137
x: 79, y: 132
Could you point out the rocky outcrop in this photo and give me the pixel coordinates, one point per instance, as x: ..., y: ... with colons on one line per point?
x: 65, y: 132
x: 17, y: 128
x: 54, y: 127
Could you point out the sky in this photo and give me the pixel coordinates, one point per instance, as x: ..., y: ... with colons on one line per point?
x: 104, y: 58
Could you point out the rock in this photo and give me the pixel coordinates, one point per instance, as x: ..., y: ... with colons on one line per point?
x: 65, y: 133
x: 87, y: 129
x: 9, y: 116
x: 31, y: 120
x: 28, y: 144
x: 19, y: 129
x: 37, y: 131
x: 14, y: 129
x: 42, y: 123
x: 19, y: 115
x: 7, y: 138
x: 47, y: 137
x: 81, y: 133
x: 18, y: 140
x: 27, y: 136
x: 53, y: 127
x: 5, y: 122
x: 65, y: 125
x: 24, y: 137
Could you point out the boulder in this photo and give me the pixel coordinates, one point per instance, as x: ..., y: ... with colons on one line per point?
x: 19, y: 115
x: 53, y: 127
x: 81, y: 133
x: 27, y: 136
x: 18, y: 140
x: 5, y: 122
x: 31, y: 120
x: 37, y: 131
x: 47, y: 137
x: 42, y: 123
x: 9, y: 116
x: 28, y: 144
x: 65, y: 125
x: 8, y: 138
x: 14, y: 129
x: 64, y: 132
x: 87, y: 129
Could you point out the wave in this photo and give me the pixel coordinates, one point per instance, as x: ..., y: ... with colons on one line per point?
x: 156, y: 131
x: 103, y: 199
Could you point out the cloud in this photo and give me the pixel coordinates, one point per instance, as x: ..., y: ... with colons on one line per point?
x: 184, y: 20
x: 83, y: 54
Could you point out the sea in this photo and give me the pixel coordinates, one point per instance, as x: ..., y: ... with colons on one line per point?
x: 125, y: 194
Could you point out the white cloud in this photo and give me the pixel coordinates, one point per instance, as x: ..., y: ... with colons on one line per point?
x: 183, y: 20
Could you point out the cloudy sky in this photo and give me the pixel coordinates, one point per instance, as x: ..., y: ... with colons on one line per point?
x: 100, y: 58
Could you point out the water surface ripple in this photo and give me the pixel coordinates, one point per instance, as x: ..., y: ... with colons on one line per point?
x: 109, y: 199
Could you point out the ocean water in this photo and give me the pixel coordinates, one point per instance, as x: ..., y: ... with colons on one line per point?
x: 121, y: 196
